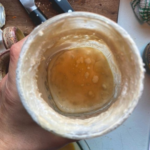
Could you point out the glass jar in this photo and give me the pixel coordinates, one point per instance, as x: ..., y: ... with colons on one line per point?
x: 72, y: 30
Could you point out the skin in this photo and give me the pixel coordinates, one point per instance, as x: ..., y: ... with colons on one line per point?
x: 17, y: 129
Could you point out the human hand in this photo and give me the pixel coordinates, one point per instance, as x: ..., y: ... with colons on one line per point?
x: 17, y: 129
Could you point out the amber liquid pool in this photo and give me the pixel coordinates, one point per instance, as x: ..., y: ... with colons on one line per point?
x: 80, y: 80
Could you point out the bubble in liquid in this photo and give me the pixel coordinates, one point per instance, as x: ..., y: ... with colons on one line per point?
x: 88, y: 61
x: 95, y: 79
x: 87, y: 75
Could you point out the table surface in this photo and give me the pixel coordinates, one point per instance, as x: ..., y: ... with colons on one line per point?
x: 17, y: 16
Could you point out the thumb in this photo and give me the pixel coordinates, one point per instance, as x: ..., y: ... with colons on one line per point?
x: 14, y: 56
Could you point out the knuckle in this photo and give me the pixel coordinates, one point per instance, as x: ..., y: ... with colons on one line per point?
x: 13, y: 51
